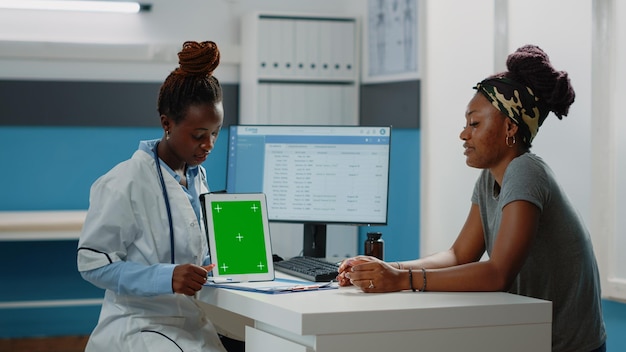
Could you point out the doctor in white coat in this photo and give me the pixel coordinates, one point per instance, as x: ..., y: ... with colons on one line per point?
x: 143, y: 239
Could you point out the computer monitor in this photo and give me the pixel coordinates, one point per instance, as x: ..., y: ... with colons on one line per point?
x: 314, y: 175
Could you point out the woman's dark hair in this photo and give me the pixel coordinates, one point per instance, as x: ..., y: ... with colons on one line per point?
x: 530, y: 65
x: 192, y: 82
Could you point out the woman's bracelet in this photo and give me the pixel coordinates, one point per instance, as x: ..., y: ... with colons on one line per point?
x: 424, y: 282
x: 411, y: 279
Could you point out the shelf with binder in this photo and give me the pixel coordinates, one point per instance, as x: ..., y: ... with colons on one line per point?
x: 310, y: 55
x: 301, y: 47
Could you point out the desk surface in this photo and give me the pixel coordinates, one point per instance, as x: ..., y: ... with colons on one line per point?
x: 349, y: 310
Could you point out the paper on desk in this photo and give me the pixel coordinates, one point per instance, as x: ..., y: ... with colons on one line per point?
x: 279, y: 285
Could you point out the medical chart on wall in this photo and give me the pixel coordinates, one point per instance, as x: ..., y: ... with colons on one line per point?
x: 391, y: 40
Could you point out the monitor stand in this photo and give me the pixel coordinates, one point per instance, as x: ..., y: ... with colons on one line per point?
x: 314, y: 240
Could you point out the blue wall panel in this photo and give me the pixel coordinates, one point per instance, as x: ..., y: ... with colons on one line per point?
x: 401, y: 235
x: 35, y: 271
x: 615, y: 320
x: 42, y: 270
x: 52, y: 168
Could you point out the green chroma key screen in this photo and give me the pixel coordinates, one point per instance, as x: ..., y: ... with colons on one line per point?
x: 239, y: 237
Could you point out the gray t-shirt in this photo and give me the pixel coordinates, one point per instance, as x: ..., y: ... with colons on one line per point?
x: 561, y: 266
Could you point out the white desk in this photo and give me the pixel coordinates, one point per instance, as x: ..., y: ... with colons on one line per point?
x: 347, y: 319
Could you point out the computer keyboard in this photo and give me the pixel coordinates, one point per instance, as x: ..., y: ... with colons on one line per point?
x: 308, y: 268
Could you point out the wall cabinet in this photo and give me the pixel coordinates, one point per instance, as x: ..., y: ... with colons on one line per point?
x: 299, y: 70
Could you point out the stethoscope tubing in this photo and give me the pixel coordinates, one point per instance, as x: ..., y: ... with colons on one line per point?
x: 167, y: 200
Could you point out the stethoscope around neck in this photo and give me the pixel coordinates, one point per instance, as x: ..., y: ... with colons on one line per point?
x: 167, y: 200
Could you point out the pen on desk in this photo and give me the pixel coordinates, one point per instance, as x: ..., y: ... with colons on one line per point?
x: 219, y: 280
x: 309, y: 287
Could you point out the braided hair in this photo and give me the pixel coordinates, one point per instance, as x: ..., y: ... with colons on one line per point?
x: 192, y: 82
x: 530, y: 66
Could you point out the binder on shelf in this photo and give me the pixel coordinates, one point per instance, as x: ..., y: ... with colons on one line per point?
x: 286, y: 39
x: 263, y: 98
x: 275, y: 46
x: 335, y: 102
x: 276, y: 104
x: 301, y: 50
x: 312, y: 40
x: 343, y: 43
x: 298, y: 99
x: 348, y: 94
x: 264, y: 47
x: 326, y: 53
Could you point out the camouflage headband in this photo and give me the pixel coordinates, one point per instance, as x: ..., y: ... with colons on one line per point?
x: 516, y: 101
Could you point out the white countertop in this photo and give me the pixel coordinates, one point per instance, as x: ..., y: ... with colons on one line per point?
x: 347, y: 309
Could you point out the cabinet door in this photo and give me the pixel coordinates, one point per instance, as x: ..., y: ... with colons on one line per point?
x: 260, y: 341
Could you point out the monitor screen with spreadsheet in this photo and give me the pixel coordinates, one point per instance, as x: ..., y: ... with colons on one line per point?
x: 313, y: 174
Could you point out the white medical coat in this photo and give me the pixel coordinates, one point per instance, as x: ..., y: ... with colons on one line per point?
x: 127, y: 220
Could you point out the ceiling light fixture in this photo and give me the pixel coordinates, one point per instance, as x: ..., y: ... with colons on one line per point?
x: 74, y: 5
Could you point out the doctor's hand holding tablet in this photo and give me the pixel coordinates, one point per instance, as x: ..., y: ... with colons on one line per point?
x: 188, y: 279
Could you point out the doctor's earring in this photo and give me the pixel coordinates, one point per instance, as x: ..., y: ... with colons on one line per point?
x: 167, y: 135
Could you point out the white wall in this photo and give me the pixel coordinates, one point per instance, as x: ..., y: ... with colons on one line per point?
x: 459, y: 52
x: 617, y: 271
x: 608, y: 146
x: 585, y: 149
x: 90, y: 46
x: 564, y: 144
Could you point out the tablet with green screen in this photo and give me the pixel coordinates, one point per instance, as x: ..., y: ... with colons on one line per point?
x: 239, y: 236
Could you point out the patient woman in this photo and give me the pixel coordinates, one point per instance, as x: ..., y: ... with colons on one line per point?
x: 537, y: 244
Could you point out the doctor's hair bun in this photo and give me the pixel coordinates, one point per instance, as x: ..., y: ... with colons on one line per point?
x: 531, y: 66
x: 192, y: 82
x: 198, y: 58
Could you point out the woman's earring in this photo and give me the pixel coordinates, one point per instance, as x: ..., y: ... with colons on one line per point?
x: 167, y: 135
x: 510, y: 144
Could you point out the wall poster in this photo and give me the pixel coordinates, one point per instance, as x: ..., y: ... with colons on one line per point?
x: 391, y: 41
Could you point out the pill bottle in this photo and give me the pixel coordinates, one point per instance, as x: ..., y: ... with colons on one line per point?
x: 374, y: 245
